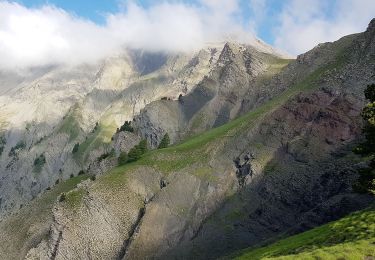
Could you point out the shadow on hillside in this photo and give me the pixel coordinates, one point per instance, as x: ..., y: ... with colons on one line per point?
x: 288, y: 198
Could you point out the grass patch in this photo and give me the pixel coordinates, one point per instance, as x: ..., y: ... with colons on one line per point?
x: 74, y: 198
x: 70, y: 124
x: 351, y: 237
x: 204, y: 173
x: 101, y: 136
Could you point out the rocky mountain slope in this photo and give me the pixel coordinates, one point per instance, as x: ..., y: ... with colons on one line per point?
x: 300, y: 121
x: 46, y: 113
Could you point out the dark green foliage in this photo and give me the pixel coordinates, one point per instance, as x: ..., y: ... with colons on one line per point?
x: 370, y: 92
x: 71, y: 175
x: 112, y: 153
x: 366, y: 181
x: 81, y: 172
x: 40, y: 160
x: 75, y: 148
x: 93, y: 178
x: 137, y: 151
x: 62, y: 197
x: 39, y: 163
x: 19, y: 146
x: 164, y: 142
x: 134, y: 154
x: 103, y: 156
x: 126, y: 127
x: 2, y: 144
x: 123, y: 158
x: 143, y: 146
x: 96, y: 127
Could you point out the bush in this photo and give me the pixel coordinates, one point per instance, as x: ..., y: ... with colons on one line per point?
x: 40, y: 161
x: 96, y: 127
x: 164, y: 142
x: 93, y: 178
x: 2, y: 144
x: 370, y: 92
x: 20, y: 145
x: 127, y: 127
x: 81, y: 172
x: 123, y: 158
x: 71, y: 175
x: 62, y: 197
x: 75, y: 148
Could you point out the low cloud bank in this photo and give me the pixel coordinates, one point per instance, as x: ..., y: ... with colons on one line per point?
x: 49, y: 35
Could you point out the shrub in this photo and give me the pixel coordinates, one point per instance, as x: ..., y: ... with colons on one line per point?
x: 164, y: 142
x: 123, y: 158
x: 93, y: 178
x: 96, y: 127
x: 2, y: 144
x: 71, y: 175
x: 75, y: 148
x: 81, y: 172
x: 127, y: 127
x: 62, y: 197
x: 39, y: 163
x: 20, y: 145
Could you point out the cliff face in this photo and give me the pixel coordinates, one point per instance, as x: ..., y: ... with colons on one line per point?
x: 188, y: 201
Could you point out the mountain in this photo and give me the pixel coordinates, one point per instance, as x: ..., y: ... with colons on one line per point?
x: 297, y: 121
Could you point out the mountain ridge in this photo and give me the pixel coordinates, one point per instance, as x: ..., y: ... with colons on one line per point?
x: 301, y: 135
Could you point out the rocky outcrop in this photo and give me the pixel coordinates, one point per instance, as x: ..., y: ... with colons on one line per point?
x: 216, y: 100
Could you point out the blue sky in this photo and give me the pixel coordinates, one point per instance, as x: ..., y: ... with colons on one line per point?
x: 40, y: 32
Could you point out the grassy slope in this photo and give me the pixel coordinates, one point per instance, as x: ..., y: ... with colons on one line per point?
x: 352, y: 237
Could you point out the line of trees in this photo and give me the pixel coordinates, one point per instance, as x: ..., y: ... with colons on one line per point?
x: 366, y: 181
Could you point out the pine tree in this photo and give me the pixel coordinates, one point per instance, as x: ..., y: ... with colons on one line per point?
x: 366, y: 182
x: 134, y: 154
x: 143, y: 146
x: 164, y: 142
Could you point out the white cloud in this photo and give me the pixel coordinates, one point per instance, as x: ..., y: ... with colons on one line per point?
x: 305, y: 23
x: 37, y: 37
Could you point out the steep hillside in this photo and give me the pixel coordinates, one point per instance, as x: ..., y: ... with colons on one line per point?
x: 195, y: 200
x: 351, y: 237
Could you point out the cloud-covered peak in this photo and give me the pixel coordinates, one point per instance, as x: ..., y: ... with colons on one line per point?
x: 38, y: 37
